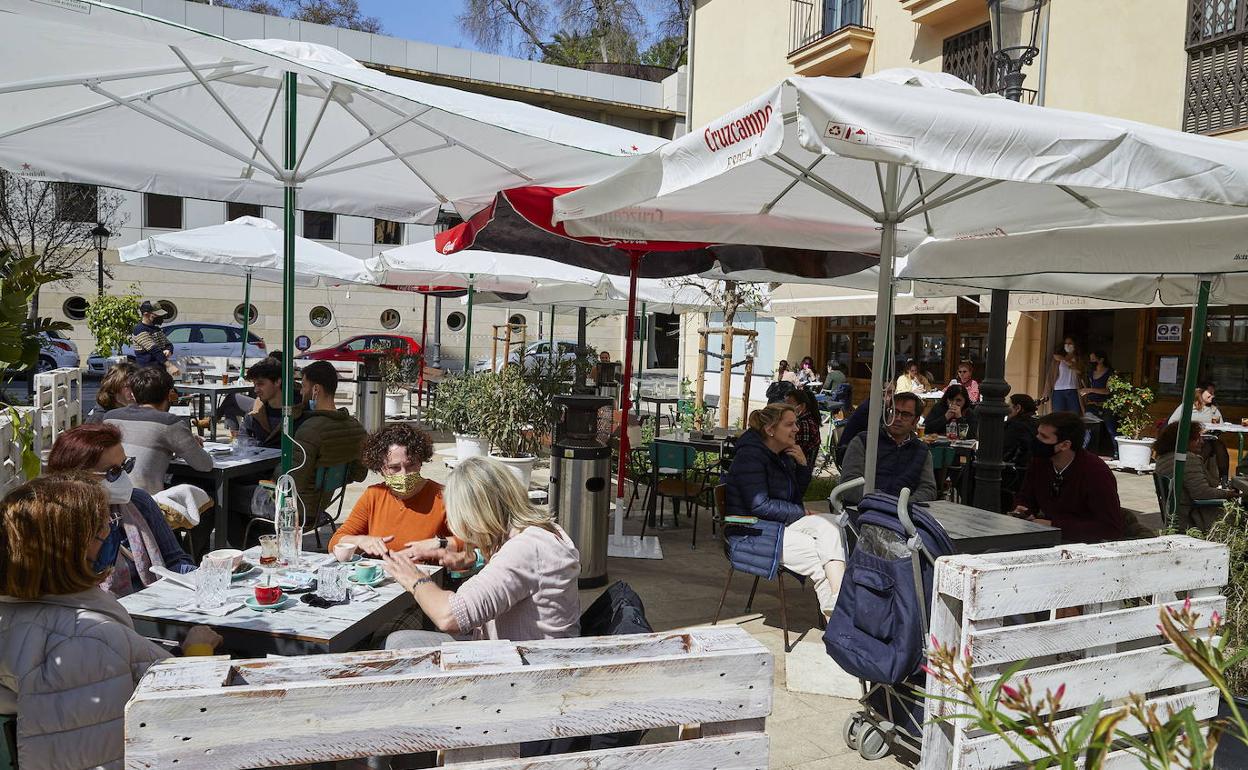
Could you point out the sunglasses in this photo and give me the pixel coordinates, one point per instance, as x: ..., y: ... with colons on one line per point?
x: 112, y: 474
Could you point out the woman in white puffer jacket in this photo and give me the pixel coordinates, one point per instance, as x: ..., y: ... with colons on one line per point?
x: 69, y: 655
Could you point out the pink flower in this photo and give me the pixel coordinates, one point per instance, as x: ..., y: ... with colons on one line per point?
x: 1010, y: 692
x: 1057, y: 696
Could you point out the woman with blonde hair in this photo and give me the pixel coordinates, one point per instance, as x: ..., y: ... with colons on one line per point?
x: 69, y: 655
x: 114, y: 392
x: 767, y: 481
x: 526, y: 567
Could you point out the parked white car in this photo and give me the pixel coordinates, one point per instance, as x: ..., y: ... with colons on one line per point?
x: 536, y: 351
x: 193, y: 338
x: 57, y: 352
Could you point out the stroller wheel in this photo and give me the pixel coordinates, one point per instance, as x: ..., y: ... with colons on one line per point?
x: 872, y: 743
x: 852, y: 731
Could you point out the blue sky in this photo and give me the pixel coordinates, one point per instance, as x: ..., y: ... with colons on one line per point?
x: 432, y: 21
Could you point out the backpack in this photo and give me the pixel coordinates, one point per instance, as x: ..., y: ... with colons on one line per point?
x: 878, y: 629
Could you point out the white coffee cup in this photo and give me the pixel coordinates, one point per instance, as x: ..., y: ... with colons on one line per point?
x: 344, y: 552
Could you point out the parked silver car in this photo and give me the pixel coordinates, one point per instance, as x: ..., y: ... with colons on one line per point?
x: 193, y: 338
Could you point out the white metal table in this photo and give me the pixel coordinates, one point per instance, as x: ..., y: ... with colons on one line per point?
x: 227, y: 466
x: 213, y: 392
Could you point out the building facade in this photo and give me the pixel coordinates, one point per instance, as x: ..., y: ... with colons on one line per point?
x: 330, y: 315
x: 1179, y: 64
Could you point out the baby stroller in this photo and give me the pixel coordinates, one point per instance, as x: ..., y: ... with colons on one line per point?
x: 878, y: 630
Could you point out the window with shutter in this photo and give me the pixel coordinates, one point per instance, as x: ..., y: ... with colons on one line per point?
x: 1217, y: 66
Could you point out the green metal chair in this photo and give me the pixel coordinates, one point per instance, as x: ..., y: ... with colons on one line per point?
x: 1167, y: 498
x: 681, y: 480
x: 331, y: 480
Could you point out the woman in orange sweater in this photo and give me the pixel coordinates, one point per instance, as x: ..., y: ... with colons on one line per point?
x: 404, y: 511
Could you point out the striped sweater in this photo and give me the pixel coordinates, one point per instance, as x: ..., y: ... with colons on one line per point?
x: 153, y: 438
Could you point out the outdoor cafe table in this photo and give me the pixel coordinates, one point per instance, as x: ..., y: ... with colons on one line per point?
x: 974, y: 530
x: 710, y: 441
x: 227, y: 466
x: 213, y: 393
x: 296, y: 629
x: 659, y: 402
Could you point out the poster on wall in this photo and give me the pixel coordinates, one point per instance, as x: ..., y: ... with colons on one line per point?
x: 1169, y: 329
x: 1169, y: 373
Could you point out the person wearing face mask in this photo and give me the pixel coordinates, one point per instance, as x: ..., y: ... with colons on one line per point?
x: 1065, y: 374
x: 151, y: 346
x: 326, y: 437
x: 69, y: 655
x: 143, y: 539
x: 1069, y: 487
x: 406, y: 510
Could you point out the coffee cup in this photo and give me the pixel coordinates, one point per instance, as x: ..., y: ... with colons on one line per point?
x: 344, y: 552
x: 367, y: 573
x: 267, y: 595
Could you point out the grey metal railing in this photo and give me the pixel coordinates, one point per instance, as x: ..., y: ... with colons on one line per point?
x: 813, y: 20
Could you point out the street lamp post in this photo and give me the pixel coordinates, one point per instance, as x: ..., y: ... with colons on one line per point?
x: 100, y: 235
x: 1015, y: 27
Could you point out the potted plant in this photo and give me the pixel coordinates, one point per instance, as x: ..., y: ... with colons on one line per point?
x: 459, y: 408
x: 515, y: 412
x: 399, y: 373
x: 111, y: 320
x: 1130, y: 405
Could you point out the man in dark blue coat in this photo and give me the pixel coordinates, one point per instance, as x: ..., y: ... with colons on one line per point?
x: 903, y: 460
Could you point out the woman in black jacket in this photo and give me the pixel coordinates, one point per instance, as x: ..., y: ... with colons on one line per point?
x: 767, y: 480
x: 953, y: 407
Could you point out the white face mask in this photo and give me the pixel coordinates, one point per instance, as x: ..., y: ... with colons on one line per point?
x: 1069, y: 348
x: 119, y: 491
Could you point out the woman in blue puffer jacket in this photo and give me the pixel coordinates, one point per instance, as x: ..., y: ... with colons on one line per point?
x: 767, y: 479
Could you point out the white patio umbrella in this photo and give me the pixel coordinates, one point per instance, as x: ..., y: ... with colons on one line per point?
x: 881, y: 163
x: 421, y: 264
x: 249, y: 247
x: 105, y: 95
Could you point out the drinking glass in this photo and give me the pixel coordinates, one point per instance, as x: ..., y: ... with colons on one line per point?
x: 963, y: 431
x: 331, y: 583
x: 290, y: 543
x: 212, y: 580
x: 269, y: 553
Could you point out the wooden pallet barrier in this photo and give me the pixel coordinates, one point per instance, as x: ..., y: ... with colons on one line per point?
x: 1004, y: 608
x: 474, y: 701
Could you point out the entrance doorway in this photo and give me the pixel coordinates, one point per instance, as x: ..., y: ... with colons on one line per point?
x: 665, y: 342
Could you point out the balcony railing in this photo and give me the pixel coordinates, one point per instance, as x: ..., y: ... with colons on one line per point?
x: 812, y: 20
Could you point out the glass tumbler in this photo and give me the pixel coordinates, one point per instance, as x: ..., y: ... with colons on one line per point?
x: 331, y: 583
x: 212, y: 580
x: 290, y: 543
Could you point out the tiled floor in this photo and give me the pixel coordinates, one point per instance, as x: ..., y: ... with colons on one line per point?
x: 682, y: 589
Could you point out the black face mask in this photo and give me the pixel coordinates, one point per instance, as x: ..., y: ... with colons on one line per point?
x: 1041, y: 449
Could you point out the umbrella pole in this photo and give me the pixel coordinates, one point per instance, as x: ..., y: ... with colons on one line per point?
x: 242, y: 369
x: 468, y: 334
x: 288, y: 278
x: 552, y: 336
x: 424, y: 332
x: 992, y: 408
x: 1196, y: 341
x: 582, y: 319
x: 641, y: 359
x: 884, y: 312
x: 620, y: 546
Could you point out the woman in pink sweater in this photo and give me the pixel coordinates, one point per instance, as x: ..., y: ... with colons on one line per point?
x: 526, y: 566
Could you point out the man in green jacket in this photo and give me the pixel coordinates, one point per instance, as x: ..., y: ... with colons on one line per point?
x: 326, y: 437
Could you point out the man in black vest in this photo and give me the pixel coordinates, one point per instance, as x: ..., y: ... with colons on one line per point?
x: 903, y: 460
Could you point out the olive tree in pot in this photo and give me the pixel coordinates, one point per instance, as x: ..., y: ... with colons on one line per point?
x: 1130, y: 405
x: 111, y: 320
x: 515, y: 414
x: 460, y: 408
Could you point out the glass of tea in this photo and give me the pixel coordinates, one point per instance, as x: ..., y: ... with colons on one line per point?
x: 269, y: 553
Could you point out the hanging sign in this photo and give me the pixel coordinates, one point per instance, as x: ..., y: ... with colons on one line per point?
x: 1169, y: 330
x: 303, y: 342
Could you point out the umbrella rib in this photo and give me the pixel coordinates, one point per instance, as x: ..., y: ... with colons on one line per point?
x: 776, y: 200
x: 397, y: 155
x: 82, y: 111
x: 905, y: 211
x: 927, y: 217
x: 238, y: 123
x: 488, y: 159
x: 1086, y: 201
x: 959, y: 192
x: 377, y: 161
x: 373, y: 135
x: 914, y: 173
x: 264, y: 129
x: 820, y: 184
x: 158, y: 115
x: 33, y: 85
x: 316, y: 123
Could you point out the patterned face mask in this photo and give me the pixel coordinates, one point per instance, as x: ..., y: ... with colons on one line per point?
x: 403, y: 484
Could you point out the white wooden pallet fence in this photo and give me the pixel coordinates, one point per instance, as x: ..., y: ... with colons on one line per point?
x: 474, y: 701
x: 58, y: 406
x: 10, y: 457
x: 1003, y: 607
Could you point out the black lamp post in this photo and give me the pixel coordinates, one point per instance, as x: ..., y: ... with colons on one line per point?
x: 1015, y: 27
x: 100, y: 235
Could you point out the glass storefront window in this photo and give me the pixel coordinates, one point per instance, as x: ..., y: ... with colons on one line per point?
x: 864, y: 348
x: 838, y: 351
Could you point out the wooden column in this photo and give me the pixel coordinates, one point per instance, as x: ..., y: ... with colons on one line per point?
x: 700, y: 384
x: 725, y: 377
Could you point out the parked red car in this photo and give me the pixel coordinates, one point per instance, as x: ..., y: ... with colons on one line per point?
x: 350, y: 349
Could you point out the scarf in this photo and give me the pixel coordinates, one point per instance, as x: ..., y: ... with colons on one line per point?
x: 138, y: 558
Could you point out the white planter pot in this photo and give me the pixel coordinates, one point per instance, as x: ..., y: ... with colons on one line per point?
x: 1135, y: 453
x: 396, y: 404
x: 521, y: 466
x: 471, y: 446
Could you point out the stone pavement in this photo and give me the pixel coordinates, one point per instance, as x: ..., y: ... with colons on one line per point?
x: 682, y: 589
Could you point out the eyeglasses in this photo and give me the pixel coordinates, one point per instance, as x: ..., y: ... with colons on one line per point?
x: 112, y: 474
x: 907, y: 415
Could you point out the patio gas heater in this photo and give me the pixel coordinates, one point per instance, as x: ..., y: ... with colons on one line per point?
x: 580, y: 480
